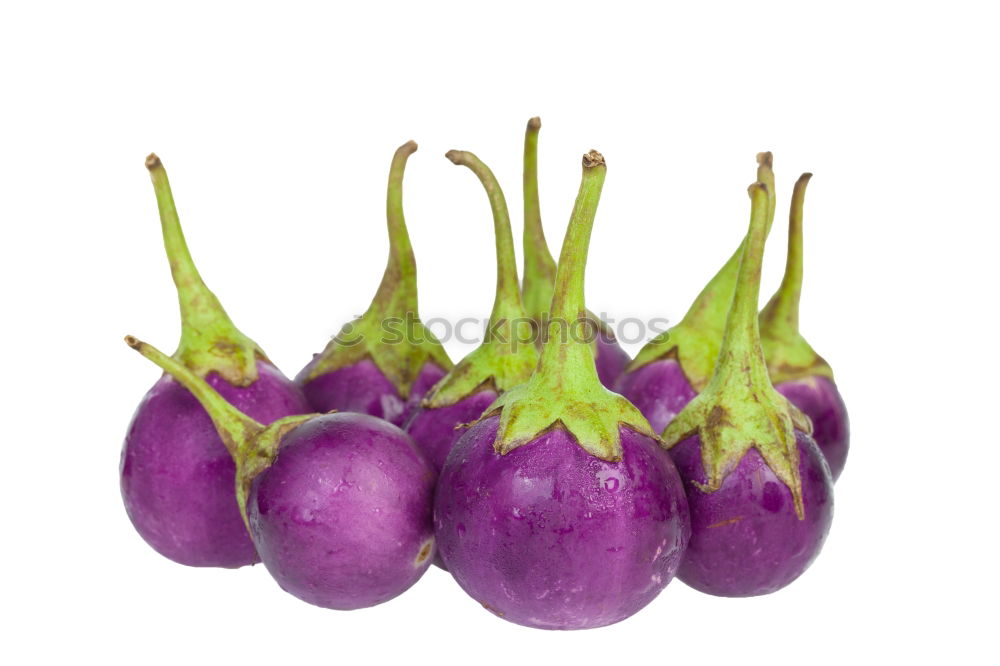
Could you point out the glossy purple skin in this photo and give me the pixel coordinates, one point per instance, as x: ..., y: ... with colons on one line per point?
x: 362, y: 388
x: 342, y: 518
x: 659, y: 390
x: 551, y: 537
x: 436, y: 430
x: 178, y: 479
x: 746, y: 539
x: 819, y: 398
x: 611, y: 360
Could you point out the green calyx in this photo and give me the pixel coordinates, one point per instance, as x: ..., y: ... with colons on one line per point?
x: 507, y: 356
x: 252, y: 445
x: 390, y: 332
x: 210, y: 342
x: 739, y: 409
x: 696, y: 340
x: 564, y: 391
x: 788, y: 354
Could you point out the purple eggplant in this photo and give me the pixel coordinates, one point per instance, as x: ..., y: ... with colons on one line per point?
x: 798, y: 372
x: 675, y: 365
x: 759, y: 490
x: 338, y: 505
x: 558, y: 509
x: 385, y: 361
x: 504, y: 360
x: 540, y: 271
x: 176, y: 475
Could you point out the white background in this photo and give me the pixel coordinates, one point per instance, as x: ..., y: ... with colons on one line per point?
x: 276, y: 124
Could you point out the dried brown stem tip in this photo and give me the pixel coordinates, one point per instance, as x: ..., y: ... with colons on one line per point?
x: 593, y: 159
x: 765, y: 159
x: 132, y: 341
x: 456, y: 156
x: 152, y: 161
x: 535, y: 123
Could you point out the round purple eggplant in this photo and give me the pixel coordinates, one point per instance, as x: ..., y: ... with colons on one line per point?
x: 675, y: 365
x: 338, y: 506
x: 342, y: 517
x: 550, y: 536
x: 177, y: 478
x: 759, y: 491
x: 798, y: 372
x: 746, y: 537
x: 504, y: 360
x: 558, y: 509
x: 540, y: 272
x: 383, y: 362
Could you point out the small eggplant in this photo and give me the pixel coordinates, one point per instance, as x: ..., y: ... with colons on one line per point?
x: 559, y: 509
x: 338, y: 505
x: 759, y: 489
x: 507, y: 356
x: 385, y: 361
x: 798, y: 372
x: 176, y: 475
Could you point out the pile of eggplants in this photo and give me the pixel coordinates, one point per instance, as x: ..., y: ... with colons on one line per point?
x: 562, y: 484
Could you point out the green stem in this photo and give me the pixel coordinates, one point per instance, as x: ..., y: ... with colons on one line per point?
x: 784, y: 305
x: 712, y: 305
x: 741, y: 352
x: 789, y: 355
x: 507, y: 303
x: 397, y: 293
x: 507, y: 356
x: 210, y: 342
x: 568, y: 309
x: 765, y: 175
x: 196, y: 301
x: 539, y: 266
x: 234, y: 427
